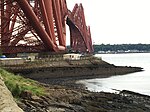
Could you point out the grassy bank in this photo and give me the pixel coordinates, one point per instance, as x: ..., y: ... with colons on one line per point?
x: 18, y: 85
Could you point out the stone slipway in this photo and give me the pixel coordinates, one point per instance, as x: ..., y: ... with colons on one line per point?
x: 89, y: 68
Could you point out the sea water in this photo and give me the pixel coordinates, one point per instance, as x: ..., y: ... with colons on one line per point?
x: 137, y: 82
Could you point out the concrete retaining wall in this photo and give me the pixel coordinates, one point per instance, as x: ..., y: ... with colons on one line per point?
x: 7, y: 103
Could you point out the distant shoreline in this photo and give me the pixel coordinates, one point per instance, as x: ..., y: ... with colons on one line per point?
x: 114, y: 52
x: 122, y: 48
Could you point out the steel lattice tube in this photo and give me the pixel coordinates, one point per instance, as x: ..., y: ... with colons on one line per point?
x: 47, y: 14
x: 24, y: 5
x: 58, y: 20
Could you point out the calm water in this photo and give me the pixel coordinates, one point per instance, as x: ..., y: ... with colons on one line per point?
x: 138, y: 82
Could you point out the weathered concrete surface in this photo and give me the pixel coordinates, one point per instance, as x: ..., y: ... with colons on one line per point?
x: 7, y: 103
x: 91, y: 68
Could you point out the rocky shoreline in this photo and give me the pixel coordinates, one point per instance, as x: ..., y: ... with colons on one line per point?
x: 62, y: 99
x: 64, y: 95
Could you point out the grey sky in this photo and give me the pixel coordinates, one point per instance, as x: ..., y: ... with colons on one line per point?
x: 117, y: 21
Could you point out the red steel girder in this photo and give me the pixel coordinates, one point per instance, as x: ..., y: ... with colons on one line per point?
x: 35, y: 23
x: 77, y: 42
x: 47, y: 14
x: 14, y: 34
x: 78, y: 19
x: 58, y: 20
x: 42, y: 26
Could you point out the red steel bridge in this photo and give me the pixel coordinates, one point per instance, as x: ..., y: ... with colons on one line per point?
x: 40, y: 26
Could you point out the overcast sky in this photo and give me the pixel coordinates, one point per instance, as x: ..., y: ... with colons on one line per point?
x: 117, y: 21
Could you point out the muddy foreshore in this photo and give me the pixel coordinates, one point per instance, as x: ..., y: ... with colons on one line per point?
x: 63, y: 95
